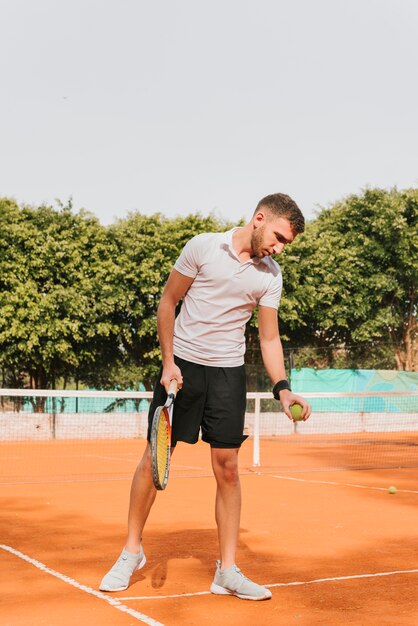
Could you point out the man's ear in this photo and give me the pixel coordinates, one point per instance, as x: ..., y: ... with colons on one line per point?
x: 259, y: 218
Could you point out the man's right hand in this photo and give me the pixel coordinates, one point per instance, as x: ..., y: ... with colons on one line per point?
x: 171, y: 372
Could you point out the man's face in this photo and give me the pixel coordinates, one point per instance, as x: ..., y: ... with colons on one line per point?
x: 270, y: 236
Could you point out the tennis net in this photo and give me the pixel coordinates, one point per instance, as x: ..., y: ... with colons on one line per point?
x: 83, y: 435
x: 60, y: 435
x: 345, y: 431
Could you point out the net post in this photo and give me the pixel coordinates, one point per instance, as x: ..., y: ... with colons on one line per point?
x: 54, y: 417
x: 256, y: 443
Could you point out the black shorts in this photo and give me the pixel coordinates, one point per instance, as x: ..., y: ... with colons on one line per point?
x: 212, y: 400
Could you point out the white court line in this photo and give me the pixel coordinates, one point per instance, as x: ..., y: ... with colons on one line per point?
x: 174, y: 595
x: 174, y: 466
x: 337, y: 578
x: 64, y: 481
x: 115, y: 602
x: 328, y: 482
x: 73, y: 481
x: 291, y: 584
x: 106, y: 458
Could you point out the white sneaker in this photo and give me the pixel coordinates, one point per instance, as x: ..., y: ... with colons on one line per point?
x: 232, y: 582
x: 118, y: 577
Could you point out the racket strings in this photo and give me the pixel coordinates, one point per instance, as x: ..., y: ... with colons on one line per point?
x: 163, y: 447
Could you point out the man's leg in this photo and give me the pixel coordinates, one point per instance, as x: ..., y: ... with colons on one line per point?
x: 228, y: 501
x: 229, y: 580
x: 141, y: 500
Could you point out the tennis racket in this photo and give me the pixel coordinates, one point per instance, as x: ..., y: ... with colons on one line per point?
x: 160, y: 439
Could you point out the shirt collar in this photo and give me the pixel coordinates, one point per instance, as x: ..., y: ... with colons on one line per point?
x: 227, y: 244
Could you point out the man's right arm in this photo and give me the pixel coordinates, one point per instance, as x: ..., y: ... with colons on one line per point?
x: 176, y: 287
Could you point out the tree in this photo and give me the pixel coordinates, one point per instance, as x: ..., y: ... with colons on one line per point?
x: 78, y: 301
x: 56, y: 292
x: 351, y: 279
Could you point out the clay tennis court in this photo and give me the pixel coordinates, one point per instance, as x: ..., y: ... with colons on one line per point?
x: 334, y: 547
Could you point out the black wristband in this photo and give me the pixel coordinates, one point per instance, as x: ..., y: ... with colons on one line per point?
x: 278, y: 387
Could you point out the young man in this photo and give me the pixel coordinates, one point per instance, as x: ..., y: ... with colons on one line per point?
x: 221, y: 277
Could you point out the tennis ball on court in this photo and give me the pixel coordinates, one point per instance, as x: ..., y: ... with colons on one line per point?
x: 392, y: 489
x: 296, y: 412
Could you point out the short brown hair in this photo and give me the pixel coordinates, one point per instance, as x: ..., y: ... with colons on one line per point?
x: 281, y: 205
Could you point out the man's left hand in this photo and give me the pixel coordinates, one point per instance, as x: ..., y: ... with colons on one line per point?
x: 287, y: 398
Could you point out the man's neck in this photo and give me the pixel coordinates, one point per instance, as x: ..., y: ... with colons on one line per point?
x: 241, y: 243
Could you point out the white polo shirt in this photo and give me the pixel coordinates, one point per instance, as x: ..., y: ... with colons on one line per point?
x: 210, y: 328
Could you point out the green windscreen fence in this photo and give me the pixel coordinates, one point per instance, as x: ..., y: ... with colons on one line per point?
x: 353, y: 381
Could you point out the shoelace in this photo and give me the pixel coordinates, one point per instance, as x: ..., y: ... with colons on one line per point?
x: 237, y: 569
x: 121, y: 560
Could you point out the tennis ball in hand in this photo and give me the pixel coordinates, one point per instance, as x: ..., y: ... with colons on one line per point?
x: 296, y: 412
x: 392, y: 489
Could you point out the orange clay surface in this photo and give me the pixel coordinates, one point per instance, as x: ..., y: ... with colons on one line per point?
x: 336, y: 534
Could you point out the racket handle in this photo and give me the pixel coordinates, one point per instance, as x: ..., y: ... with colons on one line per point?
x: 172, y: 389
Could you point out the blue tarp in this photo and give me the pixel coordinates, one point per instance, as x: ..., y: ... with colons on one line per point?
x: 340, y: 380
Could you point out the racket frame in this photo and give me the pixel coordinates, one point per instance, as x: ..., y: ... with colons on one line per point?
x: 164, y: 412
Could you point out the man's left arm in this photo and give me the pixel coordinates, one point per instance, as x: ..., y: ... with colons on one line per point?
x: 273, y: 359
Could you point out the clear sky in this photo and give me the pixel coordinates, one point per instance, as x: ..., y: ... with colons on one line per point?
x: 206, y: 105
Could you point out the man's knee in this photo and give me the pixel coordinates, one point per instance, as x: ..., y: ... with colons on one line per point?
x: 144, y: 464
x: 225, y: 465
